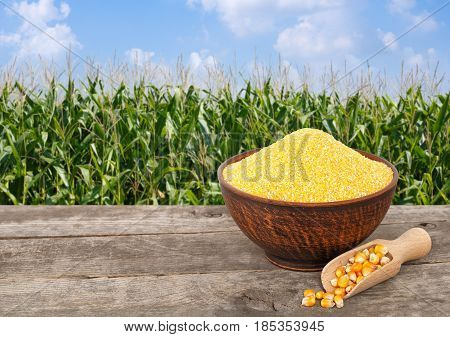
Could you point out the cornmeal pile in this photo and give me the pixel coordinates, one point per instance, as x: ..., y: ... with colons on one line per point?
x: 308, y: 165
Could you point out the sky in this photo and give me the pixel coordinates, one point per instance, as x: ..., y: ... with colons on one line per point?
x: 298, y: 32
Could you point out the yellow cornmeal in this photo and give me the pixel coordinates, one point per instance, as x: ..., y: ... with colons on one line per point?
x: 308, y: 165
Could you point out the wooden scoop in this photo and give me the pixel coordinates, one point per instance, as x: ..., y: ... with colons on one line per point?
x: 411, y: 245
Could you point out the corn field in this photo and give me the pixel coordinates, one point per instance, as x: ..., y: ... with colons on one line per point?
x: 148, y: 144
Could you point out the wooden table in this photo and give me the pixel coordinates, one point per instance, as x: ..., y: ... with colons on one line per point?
x: 188, y: 261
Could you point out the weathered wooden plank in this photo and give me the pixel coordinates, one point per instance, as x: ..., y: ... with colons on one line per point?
x: 161, y: 254
x: 244, y: 293
x: 421, y: 214
x: 137, y: 261
x: 129, y: 255
x: 56, y: 221
x: 53, y: 221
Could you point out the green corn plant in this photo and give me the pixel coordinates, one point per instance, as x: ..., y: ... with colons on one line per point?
x: 143, y: 144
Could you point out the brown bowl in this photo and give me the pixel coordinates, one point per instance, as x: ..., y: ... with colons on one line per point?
x: 305, y: 236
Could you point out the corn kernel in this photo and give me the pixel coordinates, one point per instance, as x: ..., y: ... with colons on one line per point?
x: 343, y: 281
x: 370, y: 265
x: 339, y: 291
x: 339, y: 301
x: 319, y: 294
x: 309, y: 301
x: 328, y: 296
x: 382, y: 249
x: 374, y: 259
x: 366, y: 253
x: 360, y: 257
x: 356, y: 267
x: 384, y: 260
x: 334, y: 282
x: 366, y: 271
x: 347, y: 277
x: 332, y: 165
x: 327, y: 303
x: 309, y: 292
x: 340, y: 271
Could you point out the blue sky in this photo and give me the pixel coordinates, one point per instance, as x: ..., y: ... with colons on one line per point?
x: 313, y: 32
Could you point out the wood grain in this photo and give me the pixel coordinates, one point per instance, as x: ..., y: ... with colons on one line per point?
x: 138, y: 261
x: 244, y: 293
x: 158, y: 254
x: 54, y: 221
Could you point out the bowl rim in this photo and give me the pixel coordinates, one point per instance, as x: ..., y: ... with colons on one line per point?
x: 224, y: 184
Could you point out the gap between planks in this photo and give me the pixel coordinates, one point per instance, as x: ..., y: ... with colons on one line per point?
x: 213, y: 272
x: 112, y: 235
x: 231, y: 230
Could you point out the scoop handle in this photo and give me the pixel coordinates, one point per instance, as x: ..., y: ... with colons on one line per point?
x: 411, y: 245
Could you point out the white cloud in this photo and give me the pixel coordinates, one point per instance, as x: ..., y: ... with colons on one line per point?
x: 410, y: 57
x: 324, y: 28
x: 195, y: 60
x: 42, y: 12
x: 138, y: 56
x: 65, y: 9
x: 317, y: 35
x: 399, y: 6
x: 388, y: 39
x: 413, y: 58
x: 406, y: 10
x: 29, y: 41
x: 9, y: 38
x: 200, y: 60
x: 431, y: 52
x: 352, y: 61
x: 428, y: 25
x: 244, y: 17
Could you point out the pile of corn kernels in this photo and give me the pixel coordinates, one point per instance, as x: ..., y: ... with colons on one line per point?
x: 357, y: 268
